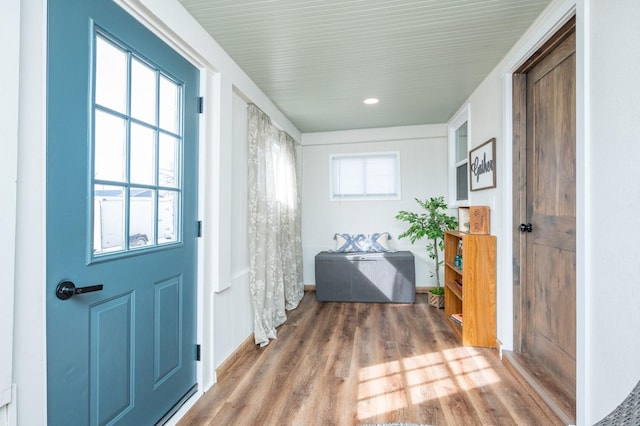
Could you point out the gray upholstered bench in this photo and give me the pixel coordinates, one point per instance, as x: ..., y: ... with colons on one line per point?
x: 365, y: 277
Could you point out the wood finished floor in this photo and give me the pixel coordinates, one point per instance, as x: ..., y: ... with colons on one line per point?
x: 357, y: 363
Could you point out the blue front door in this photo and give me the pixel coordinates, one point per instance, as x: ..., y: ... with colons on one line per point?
x: 122, y: 125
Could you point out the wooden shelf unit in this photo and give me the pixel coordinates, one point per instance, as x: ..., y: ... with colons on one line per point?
x: 475, y: 299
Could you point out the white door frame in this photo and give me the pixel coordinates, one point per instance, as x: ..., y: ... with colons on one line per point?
x: 9, y: 84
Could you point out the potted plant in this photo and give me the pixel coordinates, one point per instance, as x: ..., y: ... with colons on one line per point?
x: 430, y: 224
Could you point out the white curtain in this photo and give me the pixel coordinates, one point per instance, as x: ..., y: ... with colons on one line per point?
x: 275, y: 247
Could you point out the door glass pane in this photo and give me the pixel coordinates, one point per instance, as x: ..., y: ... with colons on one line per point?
x: 141, y: 217
x: 169, y: 101
x: 168, y: 213
x: 108, y: 227
x: 137, y: 152
x: 143, y: 92
x: 461, y: 143
x: 143, y: 155
x: 111, y: 76
x: 109, y: 147
x: 168, y: 161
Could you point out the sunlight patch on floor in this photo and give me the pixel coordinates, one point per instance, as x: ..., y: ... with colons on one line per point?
x: 380, y: 404
x: 379, y: 370
x: 418, y: 379
x: 470, y: 368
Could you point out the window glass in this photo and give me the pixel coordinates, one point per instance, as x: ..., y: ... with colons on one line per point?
x: 348, y: 176
x: 168, y: 160
x: 111, y: 76
x: 462, y: 182
x: 380, y: 178
x: 143, y: 154
x: 168, y: 204
x: 109, y: 208
x: 110, y: 147
x: 141, y: 217
x: 365, y: 176
x: 137, y: 152
x: 169, y: 101
x: 462, y: 193
x: 143, y: 92
x: 461, y: 143
x: 458, y: 130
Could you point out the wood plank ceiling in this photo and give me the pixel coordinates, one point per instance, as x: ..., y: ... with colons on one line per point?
x: 317, y: 60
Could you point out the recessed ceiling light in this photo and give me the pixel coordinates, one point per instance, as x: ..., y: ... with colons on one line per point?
x: 371, y: 101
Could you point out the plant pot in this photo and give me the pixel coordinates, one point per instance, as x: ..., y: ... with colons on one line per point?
x: 436, y: 300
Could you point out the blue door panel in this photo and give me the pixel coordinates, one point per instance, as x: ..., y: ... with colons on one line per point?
x: 168, y: 329
x: 112, y: 359
x: 126, y: 354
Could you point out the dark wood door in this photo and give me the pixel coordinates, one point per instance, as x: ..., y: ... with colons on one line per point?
x: 549, y: 279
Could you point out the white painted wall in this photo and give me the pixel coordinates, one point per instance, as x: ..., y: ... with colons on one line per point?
x: 29, y: 350
x: 234, y: 311
x: 486, y: 123
x: 9, y: 84
x: 612, y: 199
x: 239, y: 192
x: 423, y: 163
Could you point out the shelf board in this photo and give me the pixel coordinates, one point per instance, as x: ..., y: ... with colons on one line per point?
x: 453, y: 267
x: 458, y: 234
x: 455, y: 288
x: 455, y: 327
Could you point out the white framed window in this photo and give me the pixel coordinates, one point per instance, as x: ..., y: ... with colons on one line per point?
x: 459, y: 131
x: 365, y: 176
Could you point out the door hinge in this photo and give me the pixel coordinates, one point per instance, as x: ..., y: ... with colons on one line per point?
x: 199, y: 229
x: 197, y: 352
x: 200, y: 104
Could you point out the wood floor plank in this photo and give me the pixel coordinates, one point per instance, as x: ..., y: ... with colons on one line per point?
x: 358, y: 363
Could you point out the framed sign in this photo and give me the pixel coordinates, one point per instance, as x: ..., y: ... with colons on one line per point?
x: 482, y: 166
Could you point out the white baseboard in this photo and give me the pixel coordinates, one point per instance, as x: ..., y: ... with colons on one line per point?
x: 9, y: 412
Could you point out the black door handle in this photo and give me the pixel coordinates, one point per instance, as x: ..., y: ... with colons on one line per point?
x: 66, y: 289
x: 525, y: 228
